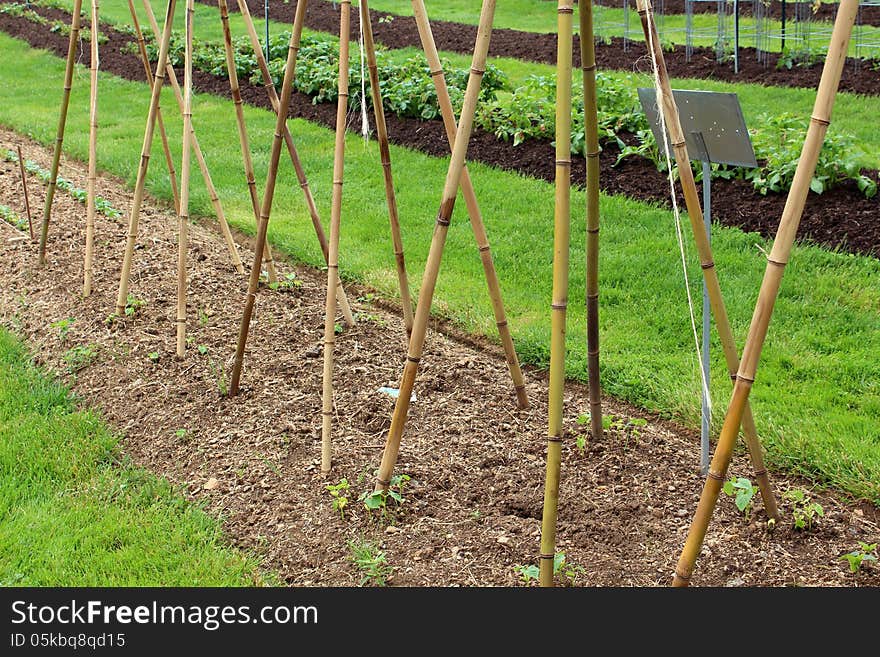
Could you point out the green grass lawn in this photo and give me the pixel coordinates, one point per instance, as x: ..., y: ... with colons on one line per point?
x: 72, y: 515
x: 817, y: 398
x: 849, y: 112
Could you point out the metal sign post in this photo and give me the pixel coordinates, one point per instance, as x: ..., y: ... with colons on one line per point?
x: 715, y: 131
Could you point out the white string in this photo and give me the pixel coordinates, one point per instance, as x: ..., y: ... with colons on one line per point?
x: 365, y: 126
x: 675, y: 210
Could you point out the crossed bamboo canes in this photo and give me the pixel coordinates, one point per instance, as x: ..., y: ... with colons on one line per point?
x: 93, y: 156
x: 432, y: 266
x: 776, y: 261
x: 269, y: 86
x: 561, y: 242
x: 185, y: 169
x: 235, y: 91
x: 169, y: 161
x: 269, y: 190
x: 335, y: 221
x: 62, y: 122
x: 470, y: 198
x: 200, y: 156
x: 385, y: 155
x: 710, y: 274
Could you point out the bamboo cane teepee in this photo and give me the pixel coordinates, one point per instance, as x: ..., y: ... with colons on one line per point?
x: 776, y: 261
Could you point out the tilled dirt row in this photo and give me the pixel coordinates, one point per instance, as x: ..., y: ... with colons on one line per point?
x: 472, y: 509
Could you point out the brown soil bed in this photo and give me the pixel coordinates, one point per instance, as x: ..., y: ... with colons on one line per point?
x: 400, y: 31
x: 472, y: 510
x: 840, y: 218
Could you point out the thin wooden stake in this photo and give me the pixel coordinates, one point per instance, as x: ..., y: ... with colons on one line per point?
x: 268, y: 192
x: 93, y: 157
x: 335, y: 221
x: 200, y: 157
x: 62, y: 123
x: 294, y: 156
x: 591, y: 123
x: 169, y: 161
x: 704, y: 249
x: 779, y: 256
x: 385, y: 155
x: 27, y: 203
x: 268, y: 260
x: 185, y: 168
x: 140, y: 184
x: 561, y: 243
x: 435, y: 254
x: 470, y: 198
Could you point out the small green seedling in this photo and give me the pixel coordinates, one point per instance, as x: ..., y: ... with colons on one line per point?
x: 340, y: 496
x: 132, y: 305
x: 153, y: 356
x: 569, y: 572
x: 743, y: 491
x: 181, y: 434
x: 377, y: 500
x: 80, y: 357
x: 372, y: 562
x: 527, y: 573
x: 805, y: 511
x: 867, y: 552
x: 289, y: 282
x: 202, y: 349
x: 63, y: 326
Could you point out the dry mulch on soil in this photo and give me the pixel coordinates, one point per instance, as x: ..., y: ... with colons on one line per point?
x: 472, y: 509
x: 841, y: 218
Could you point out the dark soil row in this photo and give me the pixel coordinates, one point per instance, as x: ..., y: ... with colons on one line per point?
x: 400, y: 32
x: 840, y: 218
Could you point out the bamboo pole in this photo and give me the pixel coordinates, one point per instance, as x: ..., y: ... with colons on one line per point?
x: 234, y: 89
x: 169, y: 161
x: 93, y: 156
x: 27, y: 202
x: 140, y: 184
x: 62, y: 122
x: 776, y: 261
x: 185, y: 169
x: 710, y: 274
x: 473, y: 207
x: 200, y: 156
x: 269, y: 86
x: 591, y: 123
x: 268, y: 192
x: 385, y: 155
x: 561, y: 243
x: 335, y: 221
x: 435, y: 254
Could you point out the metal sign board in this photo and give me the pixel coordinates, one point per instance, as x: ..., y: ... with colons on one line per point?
x: 713, y: 124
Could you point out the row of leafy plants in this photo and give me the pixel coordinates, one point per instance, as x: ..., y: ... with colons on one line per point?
x: 527, y: 111
x: 23, y: 10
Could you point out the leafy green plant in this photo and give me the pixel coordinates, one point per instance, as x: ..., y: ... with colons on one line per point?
x: 866, y: 552
x: 371, y: 561
x: 377, y: 500
x: 12, y: 217
x: 339, y: 492
x: 219, y: 375
x: 743, y: 491
x: 805, y: 511
x: 527, y: 573
x: 79, y: 357
x: 568, y: 572
x: 132, y: 305
x: 289, y: 282
x: 63, y: 326
x: 153, y: 356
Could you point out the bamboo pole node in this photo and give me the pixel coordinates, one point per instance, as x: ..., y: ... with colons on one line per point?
x: 744, y: 379
x: 563, y: 163
x: 559, y: 306
x: 593, y: 296
x: 483, y: 249
x: 714, y: 475
x: 477, y: 71
x: 442, y: 221
x: 501, y: 324
x: 566, y: 10
x: 590, y: 67
x: 820, y: 121
x: 594, y: 154
x: 554, y: 439
x: 546, y: 556
x: 413, y: 359
x: 707, y: 265
x: 437, y: 72
x: 776, y: 263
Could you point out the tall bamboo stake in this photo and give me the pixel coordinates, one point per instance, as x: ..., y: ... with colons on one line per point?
x: 62, y: 122
x: 591, y: 123
x: 140, y: 184
x: 470, y: 198
x: 385, y: 155
x: 561, y: 241
x: 294, y: 156
x: 169, y: 161
x: 435, y: 254
x: 698, y: 228
x: 268, y: 192
x: 24, y: 189
x: 776, y: 261
x: 200, y: 157
x: 268, y: 260
x: 93, y: 157
x: 335, y: 221
x: 185, y: 167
